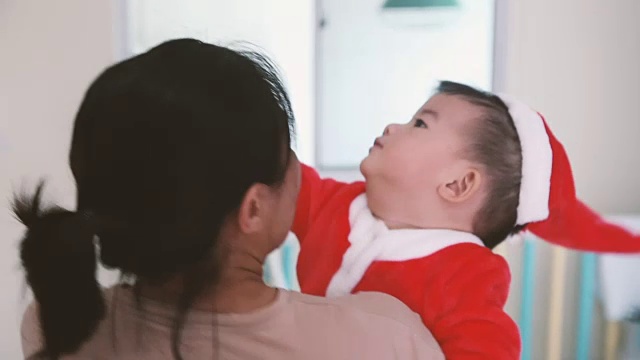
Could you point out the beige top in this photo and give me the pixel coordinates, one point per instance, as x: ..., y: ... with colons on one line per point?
x: 296, y: 326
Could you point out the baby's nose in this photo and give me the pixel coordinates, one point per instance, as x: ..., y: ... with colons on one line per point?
x: 390, y: 129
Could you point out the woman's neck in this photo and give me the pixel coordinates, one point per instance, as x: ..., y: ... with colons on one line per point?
x: 240, y: 289
x: 240, y: 292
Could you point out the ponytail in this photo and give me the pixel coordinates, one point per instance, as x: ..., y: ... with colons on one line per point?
x: 59, y: 259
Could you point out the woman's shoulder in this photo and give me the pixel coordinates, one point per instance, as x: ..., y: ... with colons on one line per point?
x: 376, y: 323
x: 372, y: 308
x: 369, y: 303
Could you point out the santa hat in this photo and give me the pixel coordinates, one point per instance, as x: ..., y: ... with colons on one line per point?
x: 548, y: 204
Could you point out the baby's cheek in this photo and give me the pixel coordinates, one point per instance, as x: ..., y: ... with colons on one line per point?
x: 402, y: 164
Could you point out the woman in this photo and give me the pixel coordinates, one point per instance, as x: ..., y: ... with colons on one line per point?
x: 185, y: 182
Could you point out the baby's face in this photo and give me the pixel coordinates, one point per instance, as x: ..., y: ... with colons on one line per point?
x: 422, y: 154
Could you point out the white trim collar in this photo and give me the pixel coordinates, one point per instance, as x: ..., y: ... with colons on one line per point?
x: 371, y: 240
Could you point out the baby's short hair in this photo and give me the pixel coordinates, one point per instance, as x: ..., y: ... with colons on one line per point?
x: 495, y: 145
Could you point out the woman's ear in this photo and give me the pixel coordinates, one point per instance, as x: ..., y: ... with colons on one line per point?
x: 253, y: 209
x: 461, y: 187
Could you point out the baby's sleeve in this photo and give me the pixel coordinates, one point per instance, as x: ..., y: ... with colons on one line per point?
x: 467, y: 316
x: 315, y: 192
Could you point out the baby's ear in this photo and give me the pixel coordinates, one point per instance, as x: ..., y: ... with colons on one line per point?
x: 461, y: 186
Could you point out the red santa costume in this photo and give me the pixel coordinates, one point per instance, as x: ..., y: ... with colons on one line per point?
x: 458, y: 286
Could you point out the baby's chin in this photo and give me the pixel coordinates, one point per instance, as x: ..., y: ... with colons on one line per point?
x: 373, y: 168
x: 365, y: 166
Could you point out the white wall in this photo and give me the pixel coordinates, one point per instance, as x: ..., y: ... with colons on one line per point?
x: 50, y: 52
x: 577, y: 62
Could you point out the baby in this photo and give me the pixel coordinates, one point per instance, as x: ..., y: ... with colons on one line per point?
x: 441, y: 191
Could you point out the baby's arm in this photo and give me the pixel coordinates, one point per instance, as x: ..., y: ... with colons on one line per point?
x: 314, y: 194
x: 467, y: 318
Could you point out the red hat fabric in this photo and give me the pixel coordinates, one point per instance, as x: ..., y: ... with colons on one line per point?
x: 548, y: 204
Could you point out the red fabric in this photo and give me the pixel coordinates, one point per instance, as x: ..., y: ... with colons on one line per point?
x: 459, y: 291
x: 571, y: 223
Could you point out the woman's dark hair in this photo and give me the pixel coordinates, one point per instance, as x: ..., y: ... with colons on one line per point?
x: 165, y: 145
x: 494, y: 144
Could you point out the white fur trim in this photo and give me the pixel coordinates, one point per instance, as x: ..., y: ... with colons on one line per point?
x: 537, y: 160
x: 371, y: 241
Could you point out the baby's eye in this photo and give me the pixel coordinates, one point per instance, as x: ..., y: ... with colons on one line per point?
x: 420, y: 124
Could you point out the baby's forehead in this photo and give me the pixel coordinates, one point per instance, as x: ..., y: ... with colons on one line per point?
x: 453, y: 109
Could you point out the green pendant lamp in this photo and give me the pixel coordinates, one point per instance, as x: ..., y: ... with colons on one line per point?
x: 418, y: 4
x: 420, y: 13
